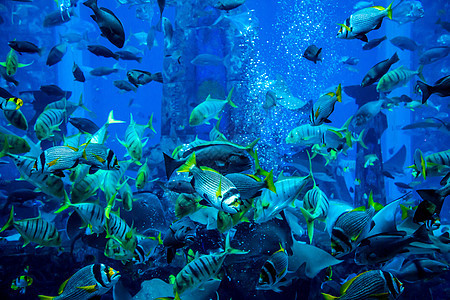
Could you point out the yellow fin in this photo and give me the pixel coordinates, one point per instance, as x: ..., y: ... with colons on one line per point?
x: 189, y: 163
x: 72, y: 148
x: 379, y: 7
x: 209, y: 169
x: 63, y: 285
x: 317, y: 113
x: 42, y: 297
x: 53, y: 162
x: 88, y: 288
x: 100, y: 159
x: 331, y: 94
x: 345, y: 286
x: 219, y: 190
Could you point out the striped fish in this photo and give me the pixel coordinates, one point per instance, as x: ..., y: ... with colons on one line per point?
x: 111, y: 184
x: 15, y: 144
x: 102, y: 134
x: 133, y: 138
x: 92, y: 214
x: 374, y: 284
x: 315, y: 207
x: 397, y: 78
x: 436, y: 164
x: 215, y: 134
x: 324, y: 107
x: 36, y: 230
x: 126, y: 195
x: 66, y: 105
x: 350, y: 228
x: 89, y: 282
x: 209, y: 109
x: 118, y: 229
x: 202, y: 269
x: 217, y: 190
x: 12, y: 103
x: 57, y: 159
x: 274, y: 270
x: 86, y: 187
x: 49, y: 121
x: 16, y: 118
x: 99, y: 157
x: 142, y: 176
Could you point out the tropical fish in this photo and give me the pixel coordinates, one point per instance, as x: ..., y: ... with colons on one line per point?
x: 440, y: 88
x: 57, y: 159
x: 12, y: 103
x: 56, y: 54
x: 126, y: 195
x: 12, y: 63
x: 209, y: 109
x: 133, y: 138
x: 21, y: 283
x: 49, y: 121
x: 363, y: 21
x: 128, y: 55
x: 324, y: 107
x: 180, y: 234
x: 396, y: 78
x: 274, y: 270
x: 118, y: 229
x: 84, y: 125
x: 86, y: 186
x: 370, y: 284
x: 313, y: 53
x: 434, y: 54
x: 214, y: 188
x: 142, y: 176
x: 377, y: 71
x: 36, y: 230
x: 228, y: 4
x: 25, y: 47
x: 373, y: 43
x: 99, y: 157
x: 101, y: 135
x: 78, y: 73
x: 100, y: 50
x: 403, y: 42
x: 90, y: 281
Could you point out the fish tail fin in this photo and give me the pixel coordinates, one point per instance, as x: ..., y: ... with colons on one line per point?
x: 339, y: 93
x: 360, y: 139
x: 110, y: 205
x: 420, y: 74
x: 171, y: 164
x: 269, y: 182
x: 394, y: 58
x: 111, y: 119
x: 425, y: 89
x: 404, y: 210
x: 190, y: 162
x: 66, y: 204
x: 10, y: 221
x: 229, y: 250
x: 377, y: 206
x: 80, y: 104
x: 329, y: 297
x: 229, y: 98
x: 258, y: 169
x: 309, y: 223
x: 42, y: 297
x: 421, y: 235
x: 389, y: 10
x: 252, y: 145
x: 91, y: 3
x: 150, y: 124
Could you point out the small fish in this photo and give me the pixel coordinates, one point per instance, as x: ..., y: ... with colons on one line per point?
x: 99, y: 157
x: 103, y: 71
x: 380, y: 69
x: 25, y: 47
x: 396, y: 78
x: 56, y: 54
x: 16, y: 118
x: 21, y: 283
x: 370, y: 285
x: 128, y: 55
x: 142, y: 176
x: 124, y: 85
x: 90, y: 281
x: 12, y: 63
x: 440, y: 88
x: 133, y: 138
x: 48, y: 122
x: 109, y: 24
x: 114, y: 250
x: 78, y: 73
x: 228, y: 4
x: 369, y: 160
x: 363, y: 21
x: 100, y: 50
x: 36, y: 230
x: 217, y: 190
x: 167, y: 29
x: 434, y: 54
x: 84, y: 125
x: 209, y: 109
x: 14, y: 144
x: 313, y: 53
x: 353, y: 61
x: 271, y: 100
x: 373, y: 43
x: 273, y: 271
x: 403, y: 42
x: 180, y: 234
x: 138, y: 77
x: 127, y: 196
x: 119, y: 229
x: 324, y: 107
x: 12, y: 103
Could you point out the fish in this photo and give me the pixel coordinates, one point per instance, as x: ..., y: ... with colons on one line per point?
x: 324, y: 107
x: 78, y: 73
x: 370, y: 284
x: 209, y: 109
x: 139, y: 77
x: 128, y: 55
x: 408, y: 11
x: 403, y: 42
x: 250, y: 185
x: 382, y: 247
x: 54, y: 90
x: 206, y: 59
x: 48, y: 122
x: 90, y: 281
x: 7, y: 78
x: 215, y: 134
x: 373, y: 43
x: 180, y: 187
x: 186, y: 204
x: 142, y: 176
x: 435, y: 164
x: 100, y: 50
x: 180, y: 234
x: 228, y: 5
x: 14, y: 144
x: 21, y: 283
x: 57, y: 159
x: 201, y: 269
x: 270, y: 101
x: 121, y: 232
x: 25, y: 47
x: 84, y: 125
x: 161, y: 5
x: 395, y: 78
x: 124, y: 85
x: 379, y: 70
x: 362, y: 4
x: 349, y: 229
x: 433, y: 54
x: 273, y: 271
x: 353, y: 61
x: 85, y: 186
x: 36, y: 230
x: 12, y: 63
x: 10, y: 103
x: 363, y: 21
x: 101, y: 135
x: 417, y: 269
x: 109, y: 24
x: 440, y: 88
x: 313, y: 53
x: 167, y: 29
x: 56, y: 54
x: 99, y: 157
x: 54, y: 18
x: 110, y: 184
x: 217, y: 190
x: 114, y: 250
x: 133, y: 138
x: 102, y: 71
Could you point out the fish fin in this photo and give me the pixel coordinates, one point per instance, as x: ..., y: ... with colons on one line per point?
x: 170, y: 164
x: 230, y: 250
x: 269, y: 182
x: 229, y: 98
x: 63, y: 286
x: 331, y: 94
x: 346, y: 27
x: 93, y: 170
x: 88, y: 288
x: 10, y: 221
x: 419, y: 73
x: 363, y: 38
x: 219, y: 190
x: 189, y: 163
x: 258, y: 169
x: 316, y: 114
x: 252, y: 145
x: 3, y: 64
x: 329, y: 297
x: 326, y: 120
x: 150, y: 124
x: 66, y: 204
x: 339, y: 93
x: 43, y: 297
x: 389, y: 10
x: 24, y: 65
x: 53, y: 162
x: 72, y: 148
x: 100, y: 159
x: 375, y: 205
x: 111, y: 119
x: 309, y: 222
x: 424, y: 89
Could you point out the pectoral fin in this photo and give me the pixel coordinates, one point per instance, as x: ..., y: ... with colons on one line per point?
x: 88, y: 288
x: 53, y: 162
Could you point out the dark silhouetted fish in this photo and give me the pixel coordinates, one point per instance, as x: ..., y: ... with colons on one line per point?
x: 100, y: 50
x: 373, y: 43
x: 77, y: 73
x: 84, y: 125
x: 313, y: 53
x: 377, y: 71
x: 441, y: 88
x: 56, y: 54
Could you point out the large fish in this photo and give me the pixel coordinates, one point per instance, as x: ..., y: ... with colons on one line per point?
x: 36, y: 230
x: 377, y: 71
x: 109, y: 24
x: 440, y: 87
x: 88, y: 282
x: 209, y: 109
x: 396, y: 78
x: 99, y: 157
x: 12, y: 63
x: 324, y: 107
x: 180, y: 234
x: 57, y: 159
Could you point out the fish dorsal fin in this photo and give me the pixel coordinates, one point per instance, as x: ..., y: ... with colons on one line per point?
x: 331, y: 94
x: 88, y: 288
x: 253, y: 176
x: 72, y: 148
x: 63, y: 285
x: 379, y: 7
x: 219, y: 190
x: 208, y: 169
x: 346, y: 285
x: 209, y: 98
x: 361, y: 208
